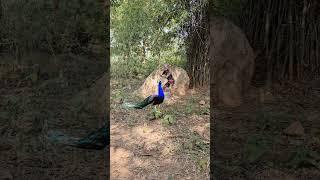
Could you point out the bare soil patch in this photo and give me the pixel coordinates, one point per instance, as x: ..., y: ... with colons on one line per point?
x: 143, y: 147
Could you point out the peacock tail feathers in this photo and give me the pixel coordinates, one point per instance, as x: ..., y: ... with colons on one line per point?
x: 140, y: 105
x: 96, y: 140
x: 131, y: 105
x: 61, y: 138
x: 155, y: 99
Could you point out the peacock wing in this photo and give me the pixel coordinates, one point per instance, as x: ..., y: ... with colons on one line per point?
x: 147, y: 101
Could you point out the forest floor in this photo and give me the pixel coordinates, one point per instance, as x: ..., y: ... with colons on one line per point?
x: 29, y: 111
x: 146, y: 148
x: 251, y: 140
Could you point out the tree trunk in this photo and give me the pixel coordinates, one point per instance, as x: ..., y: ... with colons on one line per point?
x: 197, y: 49
x: 1, y: 13
x: 286, y: 32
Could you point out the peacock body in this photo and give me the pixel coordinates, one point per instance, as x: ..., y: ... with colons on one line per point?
x: 152, y: 99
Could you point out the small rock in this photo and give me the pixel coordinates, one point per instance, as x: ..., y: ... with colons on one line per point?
x: 295, y: 129
x: 202, y: 102
x: 119, y: 101
x: 180, y: 87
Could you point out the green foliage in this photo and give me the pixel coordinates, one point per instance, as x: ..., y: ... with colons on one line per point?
x: 156, y: 113
x: 195, y: 144
x: 170, y: 177
x: 204, y: 110
x: 145, y: 34
x: 203, y: 163
x: 191, y: 107
x: 197, y: 149
x: 168, y: 120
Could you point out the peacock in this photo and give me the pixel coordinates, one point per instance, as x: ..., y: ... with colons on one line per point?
x: 96, y: 140
x: 155, y: 99
x: 99, y: 139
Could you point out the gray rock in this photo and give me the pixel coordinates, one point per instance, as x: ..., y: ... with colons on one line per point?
x: 179, y: 88
x: 202, y: 102
x: 231, y: 61
x: 294, y: 129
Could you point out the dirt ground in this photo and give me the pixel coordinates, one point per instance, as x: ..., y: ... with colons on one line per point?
x: 29, y: 111
x: 146, y: 148
x: 250, y: 141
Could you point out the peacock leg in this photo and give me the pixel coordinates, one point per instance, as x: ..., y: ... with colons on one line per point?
x: 159, y: 106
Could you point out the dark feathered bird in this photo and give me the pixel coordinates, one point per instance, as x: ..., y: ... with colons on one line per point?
x: 96, y: 140
x: 153, y: 99
x: 99, y: 139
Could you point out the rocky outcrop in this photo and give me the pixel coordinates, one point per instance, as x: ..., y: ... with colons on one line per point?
x: 179, y: 88
x: 231, y: 62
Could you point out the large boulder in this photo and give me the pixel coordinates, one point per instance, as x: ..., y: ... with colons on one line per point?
x: 180, y: 87
x: 231, y: 61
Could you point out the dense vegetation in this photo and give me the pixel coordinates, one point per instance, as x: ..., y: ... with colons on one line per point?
x: 284, y: 35
x: 146, y: 33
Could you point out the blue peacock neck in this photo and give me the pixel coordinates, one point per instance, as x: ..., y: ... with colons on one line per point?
x: 160, y: 90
